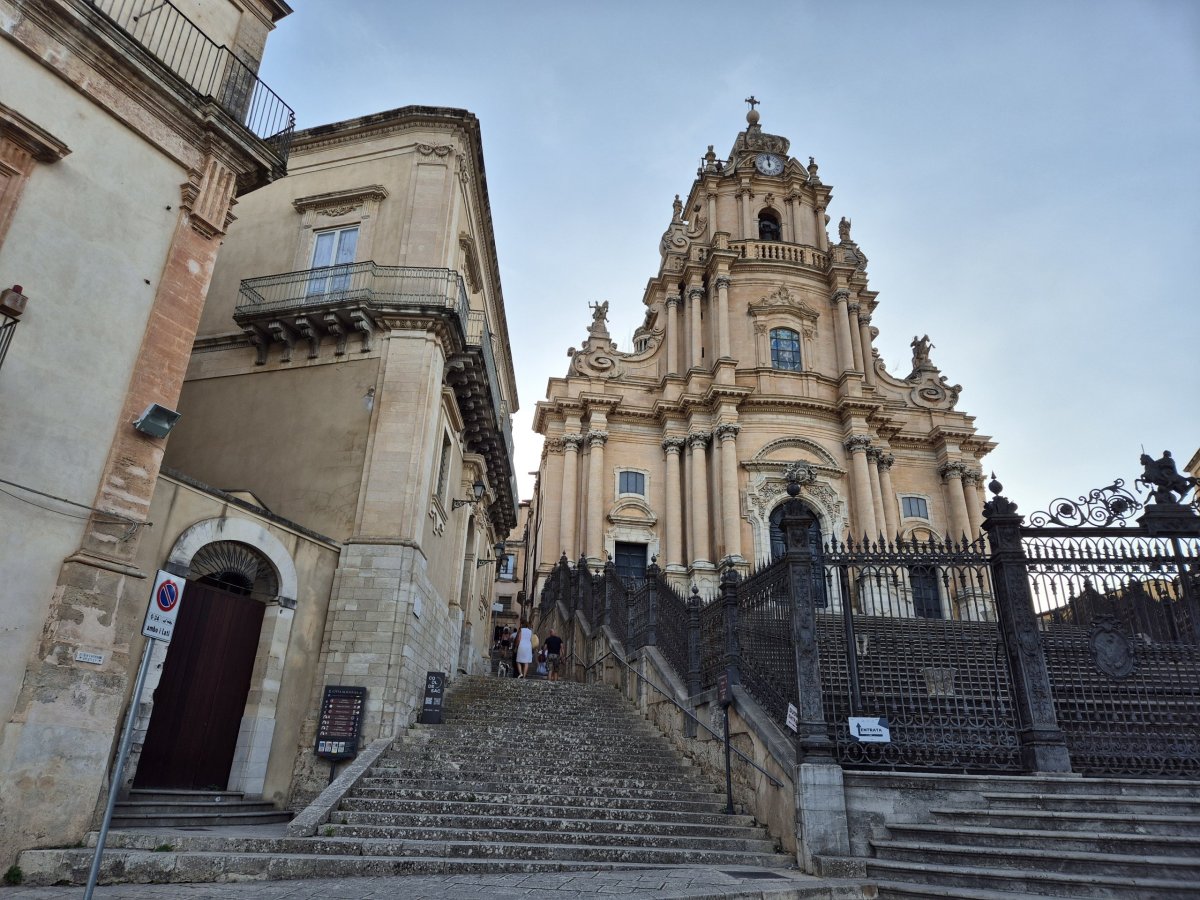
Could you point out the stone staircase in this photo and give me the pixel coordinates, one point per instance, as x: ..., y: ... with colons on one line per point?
x: 161, y: 808
x: 557, y: 772
x: 522, y: 776
x: 1095, y: 838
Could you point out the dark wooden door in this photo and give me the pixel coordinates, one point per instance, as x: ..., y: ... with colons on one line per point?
x: 199, y: 702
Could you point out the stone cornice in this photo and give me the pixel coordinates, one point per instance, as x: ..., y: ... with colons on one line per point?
x: 350, y: 197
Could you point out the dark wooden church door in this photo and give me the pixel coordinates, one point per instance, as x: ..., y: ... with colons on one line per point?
x: 200, y: 699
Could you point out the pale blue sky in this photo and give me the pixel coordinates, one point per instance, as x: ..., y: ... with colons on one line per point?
x: 1022, y: 175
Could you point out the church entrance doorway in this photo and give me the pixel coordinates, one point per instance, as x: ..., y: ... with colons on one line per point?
x: 779, y: 548
x: 200, y: 699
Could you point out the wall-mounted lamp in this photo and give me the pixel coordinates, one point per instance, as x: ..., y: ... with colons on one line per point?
x: 156, y: 421
x: 499, y: 551
x: 477, y: 489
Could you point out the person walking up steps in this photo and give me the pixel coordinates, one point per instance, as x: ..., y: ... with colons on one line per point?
x: 524, y: 649
x: 554, y: 646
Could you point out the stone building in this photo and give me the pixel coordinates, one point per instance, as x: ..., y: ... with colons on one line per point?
x: 352, y: 373
x: 756, y: 358
x: 121, y: 160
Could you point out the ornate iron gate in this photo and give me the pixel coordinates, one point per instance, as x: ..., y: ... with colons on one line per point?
x: 1116, y: 607
x: 910, y: 636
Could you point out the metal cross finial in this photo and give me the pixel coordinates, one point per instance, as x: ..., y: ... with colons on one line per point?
x: 753, y: 102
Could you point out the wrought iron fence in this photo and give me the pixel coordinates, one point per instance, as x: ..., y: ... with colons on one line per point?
x: 208, y: 68
x: 639, y: 616
x: 1118, y: 626
x: 767, y: 656
x: 909, y: 635
x: 712, y: 641
x: 671, y: 631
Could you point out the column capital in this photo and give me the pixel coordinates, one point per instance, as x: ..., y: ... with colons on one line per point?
x: 699, y: 439
x: 853, y: 308
x: 722, y: 282
x: 885, y: 461
x: 972, y: 476
x: 864, y: 318
x: 553, y: 445
x: 727, y: 430
x: 839, y: 296
x: 857, y: 442
x: 952, y: 470
x: 674, y: 444
x: 695, y: 294
x: 571, y: 441
x: 597, y: 438
x: 874, y: 454
x: 673, y: 300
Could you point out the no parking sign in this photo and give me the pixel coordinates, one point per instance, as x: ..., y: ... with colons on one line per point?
x: 164, y: 607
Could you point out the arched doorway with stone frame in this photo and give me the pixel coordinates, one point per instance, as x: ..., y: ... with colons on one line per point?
x: 631, y: 540
x: 207, y: 708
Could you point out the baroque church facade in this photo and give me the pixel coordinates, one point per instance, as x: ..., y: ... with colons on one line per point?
x: 755, y: 363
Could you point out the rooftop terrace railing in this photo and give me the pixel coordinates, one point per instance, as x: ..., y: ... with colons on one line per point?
x: 208, y: 68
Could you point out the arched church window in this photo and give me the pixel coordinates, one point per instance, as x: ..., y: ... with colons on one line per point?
x: 768, y: 226
x: 785, y: 349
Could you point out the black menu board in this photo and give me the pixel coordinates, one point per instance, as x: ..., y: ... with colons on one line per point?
x: 341, y: 721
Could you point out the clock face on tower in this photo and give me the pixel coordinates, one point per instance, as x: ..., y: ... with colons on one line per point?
x: 768, y: 164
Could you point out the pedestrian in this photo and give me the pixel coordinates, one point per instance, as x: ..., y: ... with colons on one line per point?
x: 524, y: 648
x: 554, y: 648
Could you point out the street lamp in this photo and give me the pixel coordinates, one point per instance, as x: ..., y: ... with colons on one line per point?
x: 477, y: 489
x: 499, y: 551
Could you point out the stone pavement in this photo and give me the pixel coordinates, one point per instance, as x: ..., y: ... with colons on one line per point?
x: 668, y: 881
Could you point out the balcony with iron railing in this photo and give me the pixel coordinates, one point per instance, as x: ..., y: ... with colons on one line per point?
x: 208, y: 69
x: 335, y: 304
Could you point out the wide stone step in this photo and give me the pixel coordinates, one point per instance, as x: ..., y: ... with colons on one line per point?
x: 1054, y: 860
x: 461, y: 757
x: 198, y: 819
x: 708, y: 814
x: 906, y: 890
x: 1159, y: 805
x: 1117, y: 823
x: 550, y: 834
x: 154, y: 807
x: 519, y: 783
x: 43, y: 867
x: 473, y: 768
x: 1025, y: 882
x: 565, y: 786
x: 562, y: 819
x: 632, y: 797
x: 1060, y: 839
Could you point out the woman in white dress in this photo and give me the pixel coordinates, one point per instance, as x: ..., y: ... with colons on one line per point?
x: 524, y: 649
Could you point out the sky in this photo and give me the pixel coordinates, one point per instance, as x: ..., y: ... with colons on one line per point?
x: 1023, y: 176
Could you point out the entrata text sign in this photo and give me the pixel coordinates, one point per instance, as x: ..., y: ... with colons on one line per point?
x: 164, y: 607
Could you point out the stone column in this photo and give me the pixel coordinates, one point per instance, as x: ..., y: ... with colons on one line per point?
x: 856, y: 350
x: 695, y: 298
x: 711, y: 196
x: 822, y: 234
x: 792, y: 233
x: 960, y: 522
x: 743, y: 196
x: 891, y: 516
x: 698, y: 440
x: 673, y: 447
x: 726, y: 434
x: 841, y: 327
x: 672, y: 336
x: 568, y: 510
x: 723, y: 350
x: 552, y: 524
x: 864, y: 512
x: 972, y: 481
x: 598, y: 494
x: 874, y: 454
x: 864, y: 337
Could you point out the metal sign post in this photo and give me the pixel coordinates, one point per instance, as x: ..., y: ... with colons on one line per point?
x: 158, y: 626
x: 725, y: 698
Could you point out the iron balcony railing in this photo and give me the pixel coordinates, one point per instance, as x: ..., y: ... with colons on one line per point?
x: 208, y: 68
x: 380, y: 287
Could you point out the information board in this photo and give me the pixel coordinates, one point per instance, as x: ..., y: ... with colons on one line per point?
x: 340, y: 724
x: 435, y: 690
